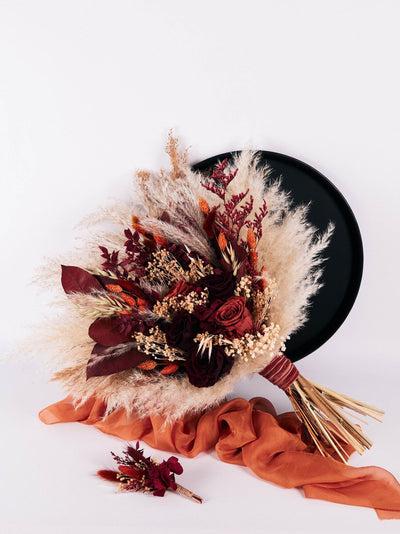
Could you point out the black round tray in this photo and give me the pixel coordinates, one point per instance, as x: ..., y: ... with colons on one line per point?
x: 343, y: 267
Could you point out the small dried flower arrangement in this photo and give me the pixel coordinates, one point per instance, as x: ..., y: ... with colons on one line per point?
x: 144, y: 474
x: 207, y: 280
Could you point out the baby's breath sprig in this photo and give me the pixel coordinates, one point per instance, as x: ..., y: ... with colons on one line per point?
x: 169, y: 306
x: 154, y: 344
x: 164, y: 268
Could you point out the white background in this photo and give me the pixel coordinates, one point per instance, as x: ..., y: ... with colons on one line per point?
x: 88, y: 92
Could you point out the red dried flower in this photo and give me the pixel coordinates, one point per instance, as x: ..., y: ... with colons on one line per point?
x: 233, y: 317
x: 220, y: 285
x: 183, y: 329
x: 205, y: 370
x: 180, y: 288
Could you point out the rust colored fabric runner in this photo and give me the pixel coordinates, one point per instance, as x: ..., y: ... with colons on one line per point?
x: 247, y: 433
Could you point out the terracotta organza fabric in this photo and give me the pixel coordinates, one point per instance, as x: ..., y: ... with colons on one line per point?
x: 247, y: 433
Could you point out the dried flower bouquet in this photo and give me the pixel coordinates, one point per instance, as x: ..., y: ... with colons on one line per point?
x: 194, y: 286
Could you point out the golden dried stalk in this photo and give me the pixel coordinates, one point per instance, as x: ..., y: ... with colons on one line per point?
x: 322, y: 412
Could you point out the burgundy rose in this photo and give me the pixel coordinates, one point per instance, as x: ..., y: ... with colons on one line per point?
x: 204, y: 371
x: 161, y: 477
x: 233, y: 317
x: 180, y: 288
x: 206, y: 316
x: 183, y: 329
x: 221, y: 284
x: 174, y: 465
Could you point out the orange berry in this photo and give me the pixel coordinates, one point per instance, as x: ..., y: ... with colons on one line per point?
x: 115, y: 288
x: 251, y: 239
x: 253, y: 257
x: 222, y: 242
x: 124, y: 312
x: 205, y: 208
x: 170, y: 369
x: 135, y: 219
x: 128, y: 299
x: 148, y: 365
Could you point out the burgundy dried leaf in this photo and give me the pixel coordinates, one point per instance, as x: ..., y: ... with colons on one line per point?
x: 107, y: 364
x: 137, y: 454
x: 209, y: 222
x: 107, y: 332
x: 77, y: 280
x: 128, y: 286
x: 136, y: 474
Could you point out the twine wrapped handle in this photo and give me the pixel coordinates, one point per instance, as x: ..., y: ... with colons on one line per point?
x: 321, y: 410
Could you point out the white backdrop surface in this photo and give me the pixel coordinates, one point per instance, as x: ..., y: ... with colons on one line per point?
x: 88, y: 92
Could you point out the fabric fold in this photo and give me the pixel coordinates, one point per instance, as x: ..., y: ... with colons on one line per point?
x: 247, y: 433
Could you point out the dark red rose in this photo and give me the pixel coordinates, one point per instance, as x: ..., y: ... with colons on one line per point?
x: 182, y: 330
x: 221, y: 284
x: 204, y: 371
x: 206, y: 316
x: 233, y: 317
x: 174, y: 465
x: 161, y: 478
x: 180, y: 288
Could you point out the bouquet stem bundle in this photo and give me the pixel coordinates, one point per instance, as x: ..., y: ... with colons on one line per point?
x: 322, y: 410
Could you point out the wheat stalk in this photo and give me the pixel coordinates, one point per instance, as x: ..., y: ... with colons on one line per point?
x: 322, y: 412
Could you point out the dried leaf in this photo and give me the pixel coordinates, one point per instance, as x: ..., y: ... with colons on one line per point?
x: 136, y: 474
x: 77, y: 280
x: 107, y: 332
x: 108, y: 363
x: 209, y: 223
